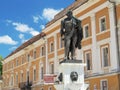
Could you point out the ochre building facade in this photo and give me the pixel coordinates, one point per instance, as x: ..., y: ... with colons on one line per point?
x: 41, y: 55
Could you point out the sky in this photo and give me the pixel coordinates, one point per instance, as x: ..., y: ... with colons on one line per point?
x: 20, y: 20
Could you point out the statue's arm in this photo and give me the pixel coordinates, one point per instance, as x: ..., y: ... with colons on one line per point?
x: 80, y: 28
x: 62, y: 28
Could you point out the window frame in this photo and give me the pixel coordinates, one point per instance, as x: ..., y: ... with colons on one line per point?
x: 84, y: 30
x: 61, y: 43
x: 51, y: 46
x: 42, y: 49
x: 102, y: 57
x: 90, y: 61
x: 34, y: 54
x: 101, y: 83
x: 17, y: 62
x: 28, y: 57
x: 27, y: 74
x: 100, y: 24
x: 41, y: 71
x: 51, y: 68
x: 34, y: 74
x: 50, y: 88
x: 22, y: 59
x: 16, y: 78
x: 21, y: 77
x: 12, y: 80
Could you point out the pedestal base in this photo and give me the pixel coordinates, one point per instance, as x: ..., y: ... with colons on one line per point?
x: 71, y: 87
x: 69, y: 68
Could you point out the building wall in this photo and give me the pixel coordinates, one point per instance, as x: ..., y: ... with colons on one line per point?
x: 113, y: 82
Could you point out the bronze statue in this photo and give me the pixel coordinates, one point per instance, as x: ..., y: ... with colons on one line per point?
x: 72, y: 34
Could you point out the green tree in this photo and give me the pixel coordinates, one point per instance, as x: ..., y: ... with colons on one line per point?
x: 1, y: 59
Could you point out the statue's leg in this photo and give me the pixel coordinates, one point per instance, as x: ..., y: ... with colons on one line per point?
x: 67, y: 45
x: 74, y: 40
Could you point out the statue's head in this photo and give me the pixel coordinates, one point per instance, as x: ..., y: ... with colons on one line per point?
x: 69, y: 13
x: 74, y: 76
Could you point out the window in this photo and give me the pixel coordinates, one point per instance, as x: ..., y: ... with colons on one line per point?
x: 105, y: 56
x: 42, y: 73
x: 102, y: 24
x: 34, y: 76
x: 28, y: 57
x: 22, y: 59
x: 95, y: 87
x: 42, y: 51
x: 16, y: 62
x: 86, y: 31
x: 16, y: 78
x: 51, y: 47
x: 21, y: 77
x: 52, y: 68
x: 12, y: 79
x: 50, y: 88
x: 88, y: 60
x: 61, y: 43
x: 27, y: 75
x: 104, y: 85
x: 35, y: 54
x: 12, y: 65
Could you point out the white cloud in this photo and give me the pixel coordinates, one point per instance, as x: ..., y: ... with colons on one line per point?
x: 41, y: 18
x: 12, y: 48
x: 9, y: 21
x: 36, y: 19
x: 49, y: 13
x: 34, y: 33
x: 24, y: 28
x: 21, y: 36
x: 42, y: 26
x: 7, y: 40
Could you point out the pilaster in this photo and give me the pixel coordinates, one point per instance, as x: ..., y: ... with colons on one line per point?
x: 95, y: 59
x: 46, y: 56
x: 55, y: 54
x: 113, y: 39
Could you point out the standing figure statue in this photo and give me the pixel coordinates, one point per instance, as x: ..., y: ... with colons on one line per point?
x: 72, y: 34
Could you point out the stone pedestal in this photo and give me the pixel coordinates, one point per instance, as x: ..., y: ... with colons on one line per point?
x: 66, y: 67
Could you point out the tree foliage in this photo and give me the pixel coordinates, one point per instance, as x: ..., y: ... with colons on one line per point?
x: 1, y: 59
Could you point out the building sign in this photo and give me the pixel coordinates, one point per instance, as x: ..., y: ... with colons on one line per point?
x: 49, y: 78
